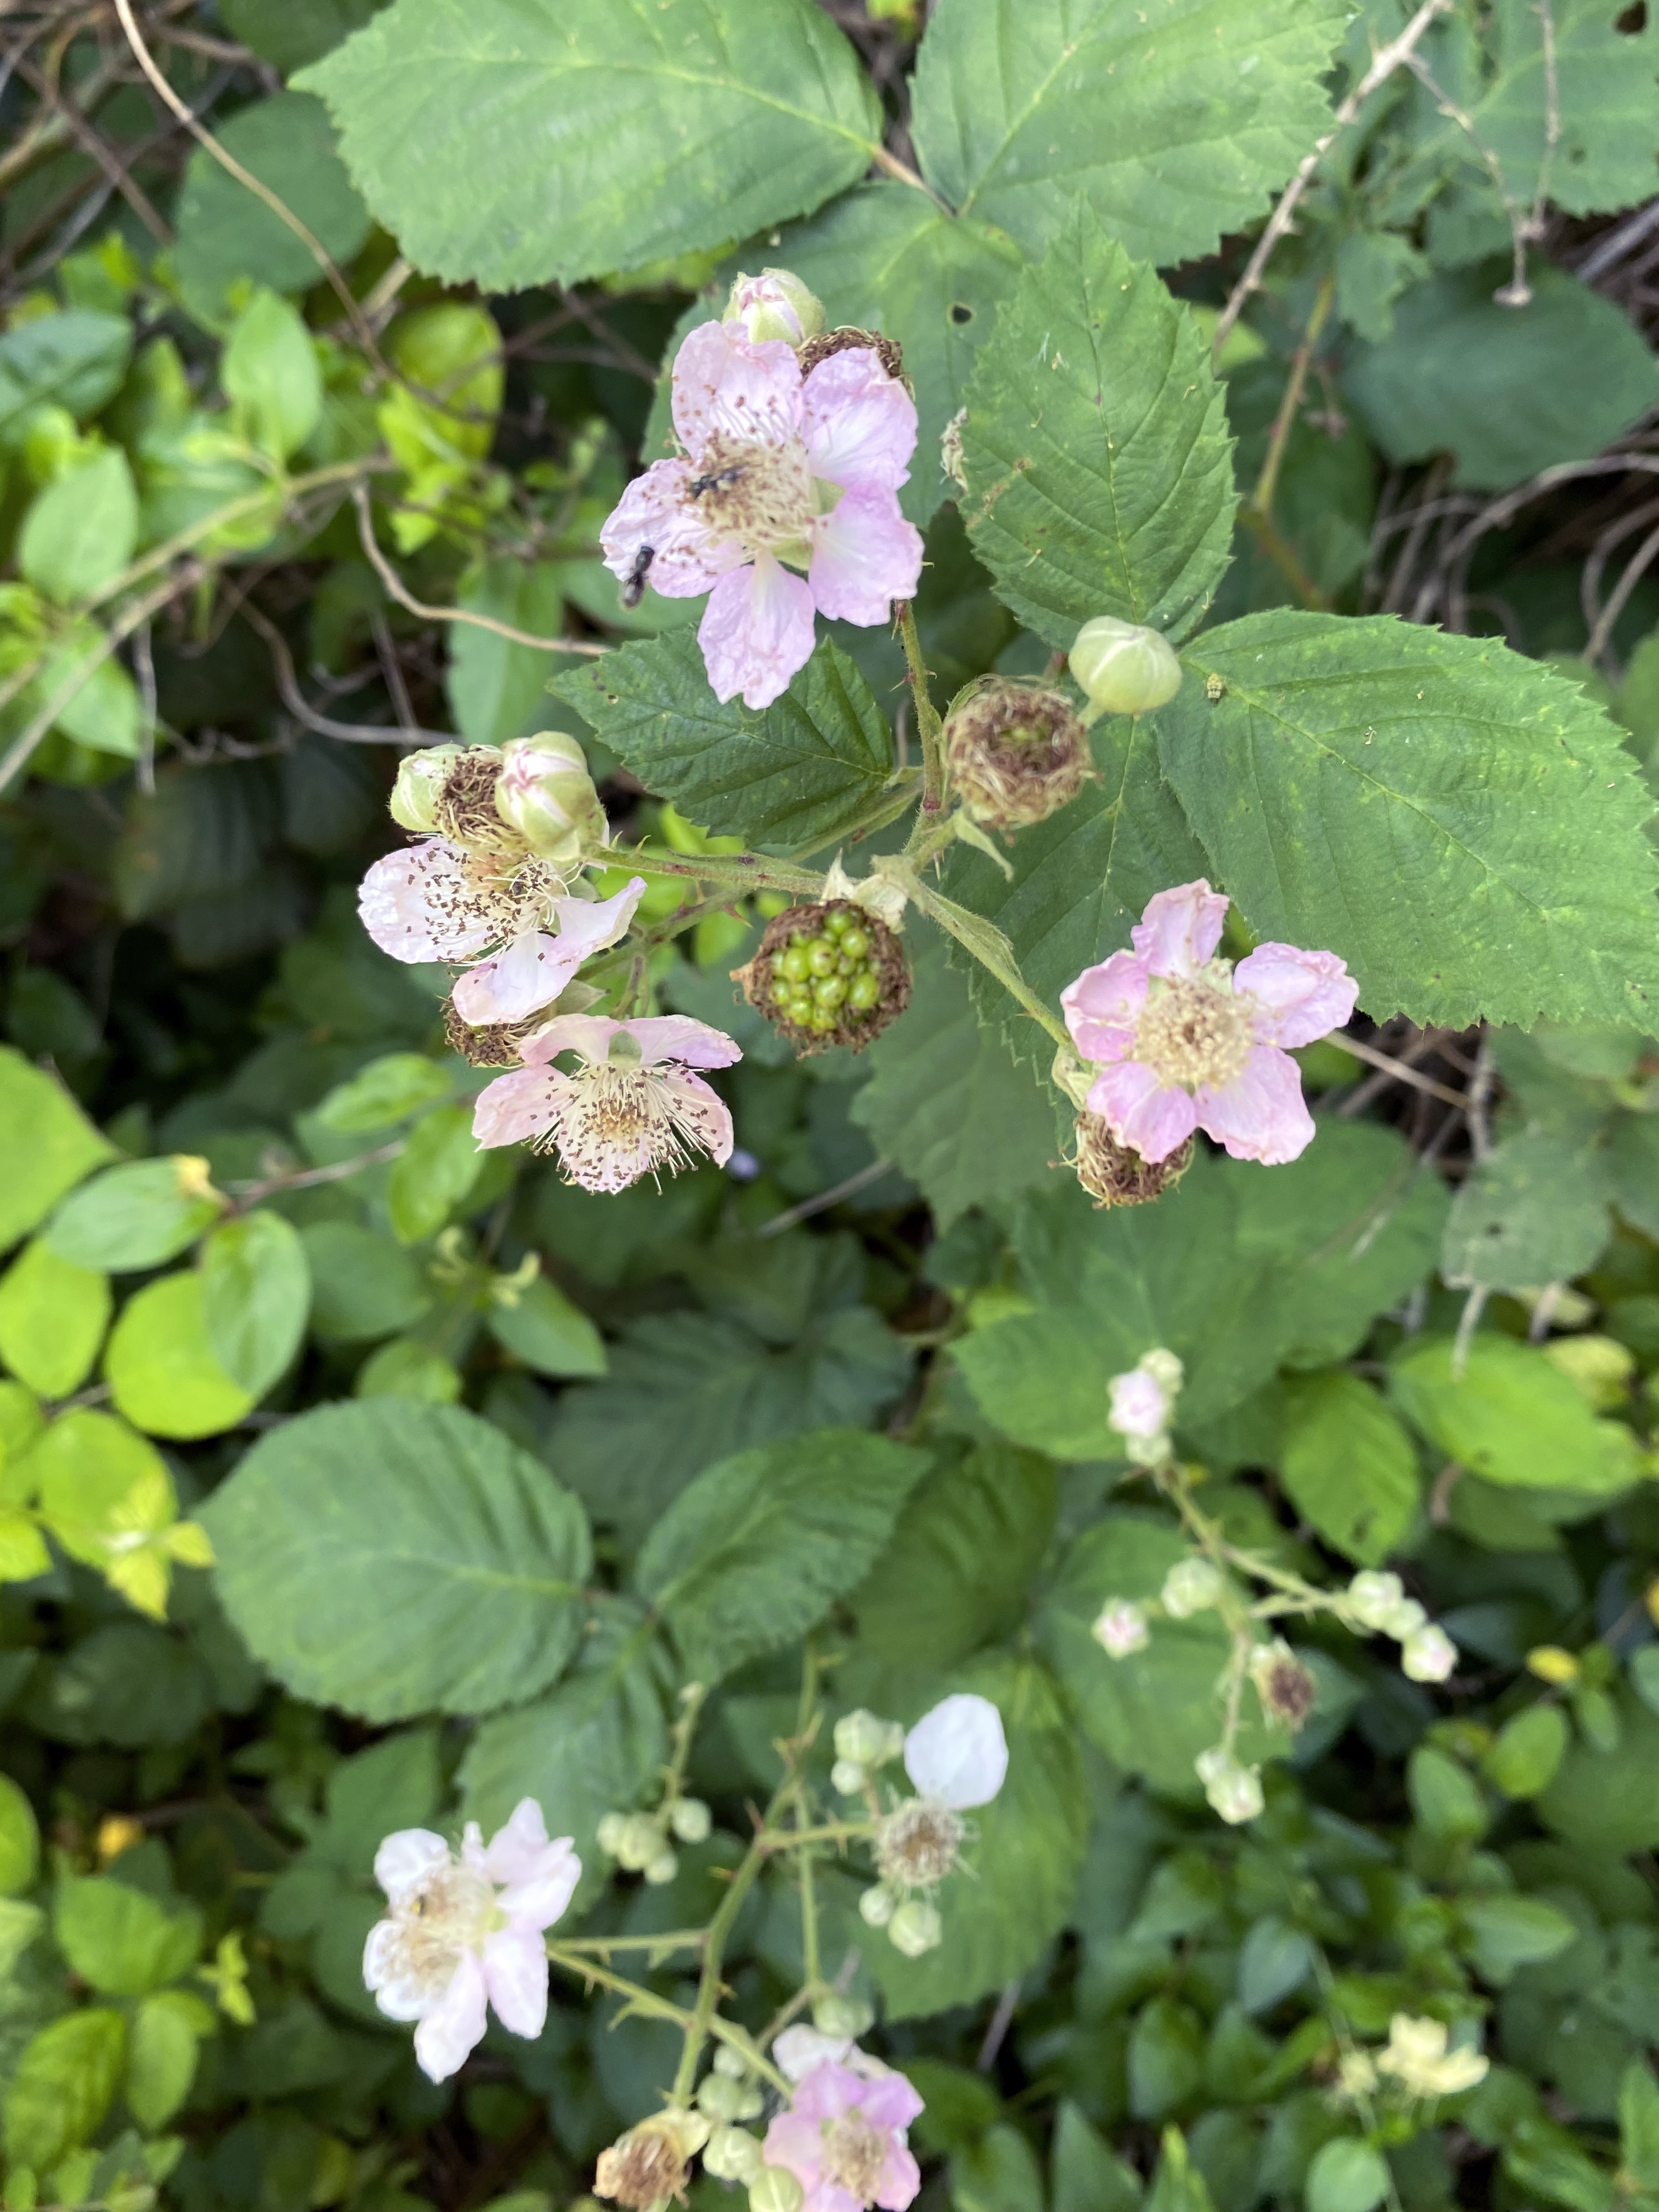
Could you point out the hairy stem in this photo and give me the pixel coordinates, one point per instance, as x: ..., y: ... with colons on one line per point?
x: 928, y: 726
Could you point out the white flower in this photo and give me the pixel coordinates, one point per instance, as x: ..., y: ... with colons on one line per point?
x: 1191, y: 1586
x: 1372, y: 1596
x: 1417, y: 2058
x: 800, y: 2048
x: 1140, y: 1406
x: 1234, y: 1791
x: 466, y: 1929
x: 1356, y: 2076
x: 958, y: 1753
x: 1428, y: 1654
x: 1121, y: 1629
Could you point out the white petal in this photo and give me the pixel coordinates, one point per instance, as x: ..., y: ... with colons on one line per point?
x: 407, y: 1859
x: 455, y: 2023
x: 517, y: 1846
x: 539, y: 1897
x: 530, y: 973
x: 515, y: 1973
x: 417, y: 904
x: 958, y: 1752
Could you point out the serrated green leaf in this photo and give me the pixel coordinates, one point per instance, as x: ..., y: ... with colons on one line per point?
x: 390, y: 1558
x: 1349, y: 1466
x: 510, y: 142
x: 1347, y: 757
x: 225, y: 233
x: 1175, y: 126
x: 1099, y: 466
x: 80, y: 532
x: 46, y: 1146
x: 1533, y: 1211
x: 788, y: 778
x: 256, y: 1291
x: 946, y: 1102
x: 756, y: 1550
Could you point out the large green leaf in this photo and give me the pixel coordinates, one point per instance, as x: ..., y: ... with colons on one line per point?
x: 225, y: 233
x: 1174, y: 123
x: 791, y: 776
x: 392, y: 1557
x: 754, y: 1553
x: 121, y: 1942
x: 948, y: 1104
x: 1099, y: 468
x: 510, y: 142
x: 1346, y: 758
x: 1508, y: 1414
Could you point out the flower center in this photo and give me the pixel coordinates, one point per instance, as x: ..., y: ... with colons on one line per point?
x: 759, y: 495
x: 451, y: 1912
x: 919, y: 1843
x: 625, y: 1122
x: 1193, y: 1032
x: 854, y: 2153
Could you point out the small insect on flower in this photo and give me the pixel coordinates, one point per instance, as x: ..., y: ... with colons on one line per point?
x: 633, y: 590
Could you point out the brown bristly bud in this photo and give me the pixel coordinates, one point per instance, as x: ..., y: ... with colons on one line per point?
x: 827, y: 974
x: 652, y: 2163
x: 1287, y: 1687
x: 888, y: 351
x: 918, y: 1844
x: 1017, y: 752
x: 1114, y: 1175
x: 488, y: 1044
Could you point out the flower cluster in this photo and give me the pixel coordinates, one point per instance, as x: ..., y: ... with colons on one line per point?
x: 1378, y: 1601
x: 1417, y: 2056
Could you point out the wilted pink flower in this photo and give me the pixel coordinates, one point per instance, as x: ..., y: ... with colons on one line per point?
x: 843, y: 2139
x: 432, y: 900
x: 1185, y: 1041
x: 463, y: 1931
x: 779, y: 470
x: 632, y: 1108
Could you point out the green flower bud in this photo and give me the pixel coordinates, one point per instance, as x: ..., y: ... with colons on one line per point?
x: 774, y: 304
x: 848, y: 1777
x: 731, y: 2063
x: 774, y: 2188
x: 689, y: 1818
x: 545, y: 793
x: 731, y: 2154
x: 876, y: 1907
x: 863, y: 1735
x: 1123, y: 668
x: 421, y: 777
x: 915, y: 1928
x: 835, y: 2014
x: 639, y: 1842
x: 609, y: 1834
x: 661, y: 1867
x: 720, y: 2099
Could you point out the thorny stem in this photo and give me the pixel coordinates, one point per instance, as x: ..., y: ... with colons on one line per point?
x: 740, y: 872
x: 691, y: 1704
x: 928, y: 726
x: 988, y: 946
x: 656, y: 2007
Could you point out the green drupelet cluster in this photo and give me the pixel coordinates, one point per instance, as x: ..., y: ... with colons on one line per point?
x: 828, y: 975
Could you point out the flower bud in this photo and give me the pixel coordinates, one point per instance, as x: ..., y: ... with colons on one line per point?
x: 1372, y: 1595
x: 1234, y: 1791
x: 661, y: 1867
x: 1122, y: 668
x: 1550, y: 1663
x: 1428, y: 1654
x: 731, y: 2154
x: 732, y: 2063
x: 1115, y: 1174
x: 827, y: 974
x: 1403, y: 1620
x: 915, y: 1928
x: 689, y: 1817
x: 722, y: 2099
x: 1164, y: 1367
x: 637, y: 1842
x: 545, y: 793
x: 848, y: 1777
x: 1192, y: 1586
x: 774, y: 2188
x: 421, y: 777
x: 1017, y: 752
x: 835, y: 2014
x: 876, y: 1907
x: 1140, y: 1406
x: 864, y: 1737
x: 609, y: 1833
x: 774, y: 304
x: 1121, y: 1629
x: 1287, y: 1687
x: 652, y: 2162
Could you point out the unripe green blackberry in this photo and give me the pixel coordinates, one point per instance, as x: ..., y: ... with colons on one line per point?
x: 1114, y: 1175
x: 1124, y: 667
x: 827, y: 974
x: 1016, y: 753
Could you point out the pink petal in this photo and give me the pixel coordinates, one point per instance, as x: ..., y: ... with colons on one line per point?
x: 864, y: 556
x: 677, y: 1036
x: 1180, y: 929
x: 704, y: 1113
x: 756, y: 631
x: 588, y: 1034
x: 830, y: 2196
x: 454, y: 2024
x: 687, y: 558
x: 901, y: 2180
x: 1141, y: 1110
x: 1262, y: 1114
x: 795, y: 2141
x: 530, y: 973
x: 407, y: 904
x: 890, y: 2100
x: 1299, y: 996
x: 515, y: 1849
x: 1103, y: 1008
x: 858, y: 423
x: 515, y: 1974
x: 405, y: 1860
x: 520, y: 1106
x: 588, y: 925
x: 829, y: 2091
x: 727, y: 385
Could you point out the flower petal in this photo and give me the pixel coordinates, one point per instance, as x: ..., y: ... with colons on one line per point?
x: 1299, y: 996
x: 757, y: 632
x: 399, y: 1993
x: 416, y: 904
x: 1142, y: 1111
x: 1103, y: 1008
x: 515, y: 1975
x: 702, y: 1114
x: 1181, y: 928
x: 516, y: 1848
x: 1262, y: 1114
x: 958, y: 1752
x: 687, y: 557
x: 454, y: 2024
x: 588, y: 1034
x: 890, y: 2100
x: 800, y: 2048
x: 727, y: 385
x: 795, y: 2141
x: 678, y: 1037
x: 530, y: 973
x: 864, y: 556
x: 900, y: 2180
x: 408, y: 1858
x: 519, y: 1107
x: 829, y: 2091
x: 858, y: 423
x: 589, y: 924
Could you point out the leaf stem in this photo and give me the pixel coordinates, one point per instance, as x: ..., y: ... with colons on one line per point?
x: 928, y: 726
x: 739, y: 871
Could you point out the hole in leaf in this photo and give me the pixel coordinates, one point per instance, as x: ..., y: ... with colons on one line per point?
x: 1631, y: 19
x: 962, y: 312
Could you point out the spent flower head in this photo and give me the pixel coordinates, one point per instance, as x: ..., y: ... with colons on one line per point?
x: 918, y: 1844
x: 1285, y: 1684
x: 652, y: 2163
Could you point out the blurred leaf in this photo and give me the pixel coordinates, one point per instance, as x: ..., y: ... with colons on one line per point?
x: 135, y: 1217
x: 1347, y: 2176
x: 270, y: 373
x: 1349, y: 1466
x: 1508, y: 1932
x: 1639, y: 2125
x: 288, y: 33
x: 74, y: 360
x: 256, y: 1289
x: 121, y: 1942
x: 46, y: 1146
x: 363, y: 1286
x: 497, y: 690
x: 1510, y: 1416
x: 162, y: 2057
x: 161, y: 1366
x: 406, y: 1368
x: 1523, y: 1757
x: 52, y: 1319
x: 388, y: 1090
x: 63, y: 2086
x: 225, y: 233
x: 20, y: 1839
x: 539, y: 1325
x: 1533, y: 1211
x: 80, y: 532
x: 440, y: 1162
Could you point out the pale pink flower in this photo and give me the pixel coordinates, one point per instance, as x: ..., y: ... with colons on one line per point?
x: 1121, y: 1629
x: 432, y: 900
x: 1187, y: 1041
x: 466, y: 1929
x: 1140, y: 1405
x: 843, y: 2139
x: 779, y: 473
x: 631, y: 1107
x: 958, y: 1753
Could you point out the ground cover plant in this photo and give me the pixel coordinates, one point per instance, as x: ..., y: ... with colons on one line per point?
x: 830, y: 1217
